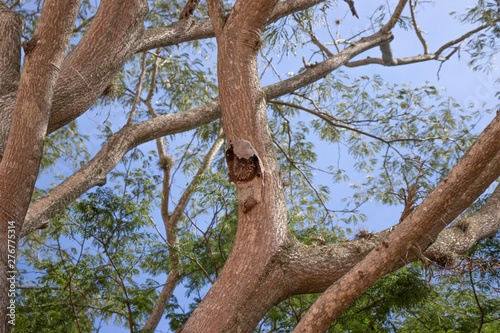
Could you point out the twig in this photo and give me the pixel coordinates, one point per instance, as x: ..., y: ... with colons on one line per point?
x: 417, y: 29
x: 139, y: 89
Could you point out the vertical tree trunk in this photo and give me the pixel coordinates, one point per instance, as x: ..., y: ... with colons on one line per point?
x: 21, y: 160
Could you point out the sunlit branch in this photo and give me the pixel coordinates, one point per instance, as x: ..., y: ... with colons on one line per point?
x: 395, y: 17
x: 415, y: 26
x: 138, y: 89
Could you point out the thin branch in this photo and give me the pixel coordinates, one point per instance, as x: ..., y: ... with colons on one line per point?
x: 303, y: 175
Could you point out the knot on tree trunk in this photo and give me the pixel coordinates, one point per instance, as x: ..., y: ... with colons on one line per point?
x: 245, y: 169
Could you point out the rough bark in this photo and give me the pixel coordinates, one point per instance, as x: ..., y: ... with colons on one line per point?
x: 10, y: 66
x: 44, y: 54
x: 380, y: 260
x: 91, y: 65
x: 188, y: 30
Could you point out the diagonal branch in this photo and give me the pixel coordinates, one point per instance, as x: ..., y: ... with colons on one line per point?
x: 416, y: 27
x: 10, y: 66
x: 184, y: 31
x: 380, y: 260
x: 189, y: 8
x: 395, y: 16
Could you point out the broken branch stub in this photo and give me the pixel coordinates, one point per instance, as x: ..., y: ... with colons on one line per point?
x: 245, y: 169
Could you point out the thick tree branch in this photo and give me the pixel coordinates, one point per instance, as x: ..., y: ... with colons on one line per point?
x: 10, y: 66
x: 395, y: 16
x: 378, y: 263
x: 103, y: 50
x: 217, y: 15
x: 91, y: 66
x: 312, y: 269
x: 185, y: 30
x: 171, y: 221
x: 324, y: 68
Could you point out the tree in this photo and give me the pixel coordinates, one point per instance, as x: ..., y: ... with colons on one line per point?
x: 267, y: 212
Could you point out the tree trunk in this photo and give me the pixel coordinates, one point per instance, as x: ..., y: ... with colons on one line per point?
x: 249, y: 282
x: 21, y: 160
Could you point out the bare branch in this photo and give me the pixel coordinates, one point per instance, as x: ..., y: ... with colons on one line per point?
x: 217, y: 15
x: 378, y: 263
x: 184, y: 30
x: 94, y: 173
x: 10, y: 66
x: 417, y: 29
x: 322, y: 47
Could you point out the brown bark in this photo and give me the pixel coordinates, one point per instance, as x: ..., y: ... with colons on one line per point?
x: 266, y: 264
x: 262, y: 230
x: 10, y: 65
x: 90, y: 67
x: 19, y: 166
